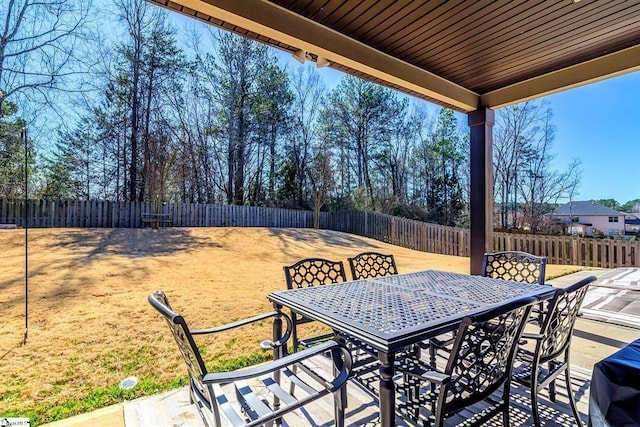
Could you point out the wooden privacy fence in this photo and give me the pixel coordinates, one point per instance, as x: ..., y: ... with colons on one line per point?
x: 568, y: 250
x: 106, y: 214
x: 564, y: 250
x: 403, y: 232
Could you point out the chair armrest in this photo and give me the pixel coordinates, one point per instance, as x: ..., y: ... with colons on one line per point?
x: 340, y: 355
x: 248, y: 321
x: 532, y: 335
x: 234, y: 324
x: 426, y: 374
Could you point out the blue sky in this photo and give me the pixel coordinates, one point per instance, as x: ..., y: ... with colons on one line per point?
x: 597, y: 123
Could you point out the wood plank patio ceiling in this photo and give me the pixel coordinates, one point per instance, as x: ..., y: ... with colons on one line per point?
x: 461, y: 54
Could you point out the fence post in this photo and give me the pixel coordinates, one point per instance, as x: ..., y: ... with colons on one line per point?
x: 366, y: 225
x: 393, y: 231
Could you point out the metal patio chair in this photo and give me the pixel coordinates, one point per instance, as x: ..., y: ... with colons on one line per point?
x: 514, y: 265
x: 478, y: 365
x: 367, y: 265
x: 539, y: 368
x: 311, y: 272
x: 509, y: 265
x: 519, y: 267
x: 254, y: 396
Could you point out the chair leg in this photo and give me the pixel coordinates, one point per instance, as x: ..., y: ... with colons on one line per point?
x: 533, y: 386
x: 294, y: 333
x: 552, y: 384
x: 411, y: 386
x: 292, y: 385
x: 340, y: 395
x: 541, y: 309
x: 432, y: 363
x: 534, y: 406
x: 507, y: 404
x: 339, y: 404
x: 343, y: 392
x: 572, y: 400
x: 294, y: 345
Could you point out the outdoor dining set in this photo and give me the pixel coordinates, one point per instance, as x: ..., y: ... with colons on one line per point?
x: 428, y: 346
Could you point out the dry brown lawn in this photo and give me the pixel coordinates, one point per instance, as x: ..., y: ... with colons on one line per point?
x: 90, y: 324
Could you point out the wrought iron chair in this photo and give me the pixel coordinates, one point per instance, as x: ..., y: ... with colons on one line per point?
x: 552, y: 345
x: 514, y: 265
x: 519, y: 267
x: 311, y: 272
x: 478, y: 365
x: 372, y: 264
x: 510, y: 265
x: 231, y: 395
x: 367, y: 265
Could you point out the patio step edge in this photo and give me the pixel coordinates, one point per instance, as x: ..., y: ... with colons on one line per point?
x: 110, y: 416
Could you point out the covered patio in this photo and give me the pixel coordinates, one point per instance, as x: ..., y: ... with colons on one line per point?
x: 473, y: 57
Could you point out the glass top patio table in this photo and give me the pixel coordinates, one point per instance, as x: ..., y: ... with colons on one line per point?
x: 390, y: 313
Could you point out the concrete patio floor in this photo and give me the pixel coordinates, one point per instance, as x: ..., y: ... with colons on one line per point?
x: 173, y: 409
x: 593, y: 340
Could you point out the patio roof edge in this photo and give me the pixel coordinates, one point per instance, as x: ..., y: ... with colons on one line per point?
x: 277, y: 23
x: 604, y: 67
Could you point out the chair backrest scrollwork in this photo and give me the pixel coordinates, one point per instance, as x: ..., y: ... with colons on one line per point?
x: 558, y: 324
x: 516, y: 266
x: 314, y: 272
x: 482, y: 355
x: 372, y: 264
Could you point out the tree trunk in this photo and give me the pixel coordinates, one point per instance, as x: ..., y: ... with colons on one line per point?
x: 272, y: 163
x: 238, y: 181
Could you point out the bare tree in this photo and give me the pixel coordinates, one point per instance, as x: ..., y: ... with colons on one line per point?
x: 160, y: 158
x: 235, y: 76
x: 136, y: 14
x: 526, y: 184
x: 419, y: 162
x: 516, y: 128
x: 308, y: 94
x: 393, y: 158
x: 272, y: 104
x: 572, y: 185
x: 320, y: 175
x: 38, y: 41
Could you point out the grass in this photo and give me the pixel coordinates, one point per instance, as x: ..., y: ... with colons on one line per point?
x: 565, y: 273
x: 90, y: 324
x: 95, y: 399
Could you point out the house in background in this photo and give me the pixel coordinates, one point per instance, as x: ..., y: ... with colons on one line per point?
x: 589, y: 218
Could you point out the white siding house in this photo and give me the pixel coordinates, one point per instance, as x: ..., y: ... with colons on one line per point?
x: 589, y: 217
